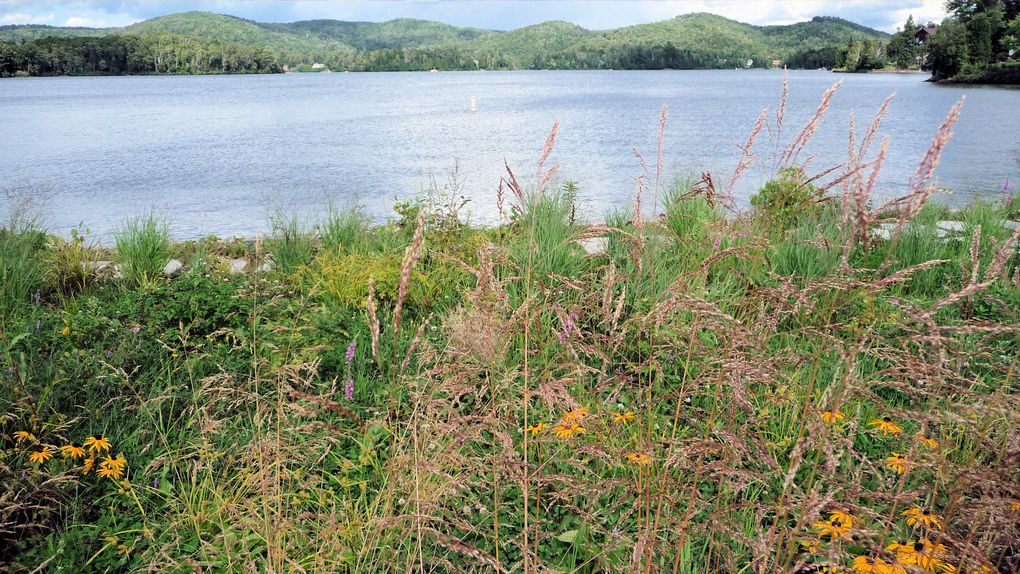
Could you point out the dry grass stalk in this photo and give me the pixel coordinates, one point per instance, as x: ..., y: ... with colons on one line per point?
x: 789, y: 157
x: 373, y: 319
x: 544, y: 176
x: 747, y: 156
x: 411, y: 255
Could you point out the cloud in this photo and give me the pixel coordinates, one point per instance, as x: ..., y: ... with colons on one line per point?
x: 85, y: 22
x: 24, y: 18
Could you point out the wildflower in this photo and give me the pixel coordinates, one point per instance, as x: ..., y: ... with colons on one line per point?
x: 536, y: 429
x: 837, y: 526
x: 112, y: 467
x: 71, y: 451
x: 23, y: 436
x: 866, y: 565
x: 568, y: 429
x: 923, y: 553
x: 638, y: 459
x: 898, y: 463
x: 575, y: 415
x: 97, y: 444
x: 349, y: 389
x: 42, y: 455
x: 623, y: 418
x: 1015, y: 506
x: 349, y: 356
x: 926, y: 441
x: 810, y: 546
x: 832, y: 417
x: 886, y: 426
x: 65, y: 331
x: 88, y: 464
x: 917, y: 516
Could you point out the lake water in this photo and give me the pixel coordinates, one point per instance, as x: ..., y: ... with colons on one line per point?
x: 216, y: 154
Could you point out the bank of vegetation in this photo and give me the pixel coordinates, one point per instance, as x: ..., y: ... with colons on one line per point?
x: 693, y: 41
x: 825, y: 383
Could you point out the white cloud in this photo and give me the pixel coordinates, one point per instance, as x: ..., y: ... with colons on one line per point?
x: 85, y: 22
x: 23, y: 18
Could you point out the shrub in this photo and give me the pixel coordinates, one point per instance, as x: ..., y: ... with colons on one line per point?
x: 73, y: 264
x: 143, y: 248
x: 782, y: 201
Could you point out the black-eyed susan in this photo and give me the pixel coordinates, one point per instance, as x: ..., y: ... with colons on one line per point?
x: 88, y: 464
x: 623, y: 418
x: 885, y: 426
x: 869, y: 565
x: 536, y: 429
x: 927, y: 441
x: 23, y: 436
x: 1014, y: 506
x: 839, y: 525
x: 638, y: 458
x: 925, y: 554
x: 917, y: 516
x: 73, y: 452
x: 575, y: 415
x: 112, y: 467
x: 42, y: 455
x: 96, y: 445
x: 832, y: 417
x: 568, y: 429
x: 896, y: 462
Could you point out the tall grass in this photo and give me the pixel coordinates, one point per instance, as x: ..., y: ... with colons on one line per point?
x: 143, y: 249
x: 291, y: 243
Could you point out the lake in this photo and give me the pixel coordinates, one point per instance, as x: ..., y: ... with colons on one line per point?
x: 216, y: 154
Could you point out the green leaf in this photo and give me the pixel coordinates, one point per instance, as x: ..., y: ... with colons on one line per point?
x: 568, y: 536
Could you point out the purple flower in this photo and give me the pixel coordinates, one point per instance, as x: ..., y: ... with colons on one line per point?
x: 1005, y: 186
x: 349, y: 390
x: 350, y: 350
x: 718, y: 242
x: 568, y: 326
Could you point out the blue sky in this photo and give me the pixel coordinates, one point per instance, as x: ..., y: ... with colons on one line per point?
x: 494, y: 14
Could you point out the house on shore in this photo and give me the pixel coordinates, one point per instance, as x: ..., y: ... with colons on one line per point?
x: 923, y: 33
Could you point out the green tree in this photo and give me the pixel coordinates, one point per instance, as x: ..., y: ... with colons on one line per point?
x: 947, y: 49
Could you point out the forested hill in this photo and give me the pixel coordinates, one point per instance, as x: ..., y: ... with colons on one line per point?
x: 687, y: 41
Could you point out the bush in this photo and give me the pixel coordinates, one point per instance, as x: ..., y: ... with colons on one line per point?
x: 73, y: 264
x: 782, y: 201
x: 143, y: 248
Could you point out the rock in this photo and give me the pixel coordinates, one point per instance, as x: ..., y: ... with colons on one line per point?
x: 172, y: 267
x: 1013, y: 225
x: 594, y: 245
x: 237, y: 266
x: 266, y: 266
x: 952, y: 226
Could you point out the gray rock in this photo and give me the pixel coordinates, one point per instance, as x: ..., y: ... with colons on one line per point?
x: 236, y: 266
x: 594, y: 245
x: 952, y: 226
x: 172, y: 267
x: 1013, y: 225
x: 266, y: 266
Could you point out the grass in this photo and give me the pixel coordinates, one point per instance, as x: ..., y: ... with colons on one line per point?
x: 712, y: 393
x: 143, y: 249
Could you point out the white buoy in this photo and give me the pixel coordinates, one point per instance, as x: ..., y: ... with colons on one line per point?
x: 474, y: 104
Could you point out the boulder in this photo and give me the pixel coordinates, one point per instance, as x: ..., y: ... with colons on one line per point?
x: 172, y: 267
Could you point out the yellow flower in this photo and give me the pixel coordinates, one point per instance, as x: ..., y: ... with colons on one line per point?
x: 65, y: 331
x: 575, y: 415
x: 810, y: 546
x: 926, y: 441
x: 623, y: 418
x: 42, y: 455
x: 568, y: 429
x: 97, y: 444
x: 837, y: 526
x: 897, y: 463
x: 1015, y: 506
x: 832, y: 417
x: 886, y: 426
x: 923, y: 553
x: 535, y: 429
x: 23, y: 436
x: 638, y: 459
x: 71, y: 451
x: 112, y: 467
x: 917, y: 516
x: 88, y: 464
x: 866, y: 565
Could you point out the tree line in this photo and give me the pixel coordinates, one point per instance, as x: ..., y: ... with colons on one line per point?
x: 156, y: 53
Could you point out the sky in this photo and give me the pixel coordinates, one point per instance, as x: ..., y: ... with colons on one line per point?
x: 884, y: 15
